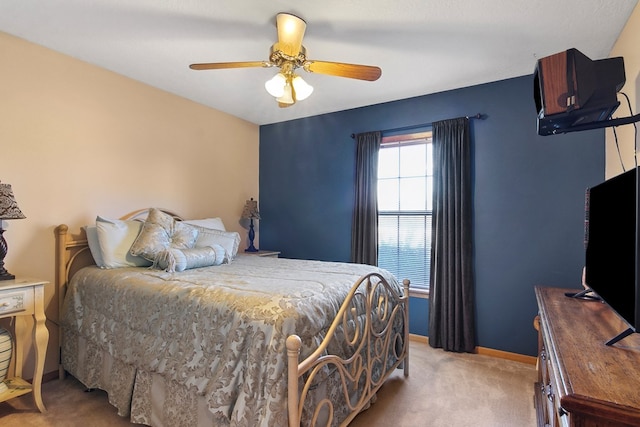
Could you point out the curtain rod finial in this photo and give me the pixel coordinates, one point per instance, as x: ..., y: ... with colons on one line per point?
x: 478, y: 116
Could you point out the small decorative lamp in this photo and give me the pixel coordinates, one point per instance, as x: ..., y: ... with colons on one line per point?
x: 8, y: 210
x: 250, y: 212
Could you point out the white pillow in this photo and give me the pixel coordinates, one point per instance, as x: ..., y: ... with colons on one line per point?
x: 229, y: 240
x: 115, y: 238
x: 94, y: 244
x: 212, y: 223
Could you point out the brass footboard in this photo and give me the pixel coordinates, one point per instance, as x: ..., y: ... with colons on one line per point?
x: 374, y: 320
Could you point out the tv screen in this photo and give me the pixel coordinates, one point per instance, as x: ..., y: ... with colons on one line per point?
x: 611, y: 230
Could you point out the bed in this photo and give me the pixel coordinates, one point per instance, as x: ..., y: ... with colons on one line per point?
x: 250, y: 341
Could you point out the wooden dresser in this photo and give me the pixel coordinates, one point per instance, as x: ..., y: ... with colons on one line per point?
x: 583, y: 382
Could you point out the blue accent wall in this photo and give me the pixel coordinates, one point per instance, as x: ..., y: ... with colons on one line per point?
x: 528, y: 197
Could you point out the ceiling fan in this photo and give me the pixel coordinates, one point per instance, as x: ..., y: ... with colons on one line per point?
x: 289, y: 54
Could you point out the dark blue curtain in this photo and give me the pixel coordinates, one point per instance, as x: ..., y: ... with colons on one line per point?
x: 451, y: 292
x: 364, y: 235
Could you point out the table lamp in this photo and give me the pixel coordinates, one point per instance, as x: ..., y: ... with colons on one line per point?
x: 8, y: 210
x: 250, y: 212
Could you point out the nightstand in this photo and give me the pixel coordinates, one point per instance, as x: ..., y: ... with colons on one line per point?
x: 19, y: 298
x: 261, y: 252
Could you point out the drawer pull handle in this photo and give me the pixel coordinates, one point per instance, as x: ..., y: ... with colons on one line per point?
x: 4, y: 304
x: 549, y: 392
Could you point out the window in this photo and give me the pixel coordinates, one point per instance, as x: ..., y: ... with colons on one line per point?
x: 405, y: 188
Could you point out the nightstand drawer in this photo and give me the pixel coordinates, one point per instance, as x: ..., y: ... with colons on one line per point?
x: 15, y: 301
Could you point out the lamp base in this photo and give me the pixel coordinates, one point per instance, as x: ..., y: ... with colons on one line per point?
x: 5, y: 275
x: 252, y: 235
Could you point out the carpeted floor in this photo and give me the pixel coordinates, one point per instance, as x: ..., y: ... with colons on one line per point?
x: 455, y: 390
x: 443, y: 389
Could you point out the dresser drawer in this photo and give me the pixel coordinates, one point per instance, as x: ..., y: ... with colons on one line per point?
x: 14, y: 301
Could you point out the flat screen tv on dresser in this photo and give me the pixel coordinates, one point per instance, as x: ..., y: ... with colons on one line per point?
x: 612, y: 234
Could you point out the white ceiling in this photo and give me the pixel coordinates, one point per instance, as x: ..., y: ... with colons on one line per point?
x: 422, y: 46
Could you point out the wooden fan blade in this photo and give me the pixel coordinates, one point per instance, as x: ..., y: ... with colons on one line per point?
x: 352, y: 71
x: 290, y: 33
x: 222, y: 65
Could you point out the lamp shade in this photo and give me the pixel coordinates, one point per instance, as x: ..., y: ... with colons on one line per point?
x: 250, y: 210
x: 8, y: 207
x: 290, y: 33
x: 287, y: 95
x: 275, y: 86
x: 301, y: 88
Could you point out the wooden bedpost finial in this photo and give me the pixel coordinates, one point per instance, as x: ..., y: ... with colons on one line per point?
x: 294, y: 343
x: 405, y: 284
x: 62, y: 229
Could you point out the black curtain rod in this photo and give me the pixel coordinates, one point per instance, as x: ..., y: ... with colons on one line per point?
x: 421, y: 125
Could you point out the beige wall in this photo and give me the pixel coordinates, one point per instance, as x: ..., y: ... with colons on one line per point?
x: 627, y: 47
x: 77, y: 141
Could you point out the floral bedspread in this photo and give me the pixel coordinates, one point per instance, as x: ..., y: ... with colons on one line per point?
x: 219, y: 331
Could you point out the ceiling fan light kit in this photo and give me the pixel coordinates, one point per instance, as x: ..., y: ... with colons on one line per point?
x: 294, y: 89
x: 289, y: 89
x: 289, y: 54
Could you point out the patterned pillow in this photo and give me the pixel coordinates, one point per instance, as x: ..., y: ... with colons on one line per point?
x: 229, y: 240
x: 173, y: 259
x: 161, y: 232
